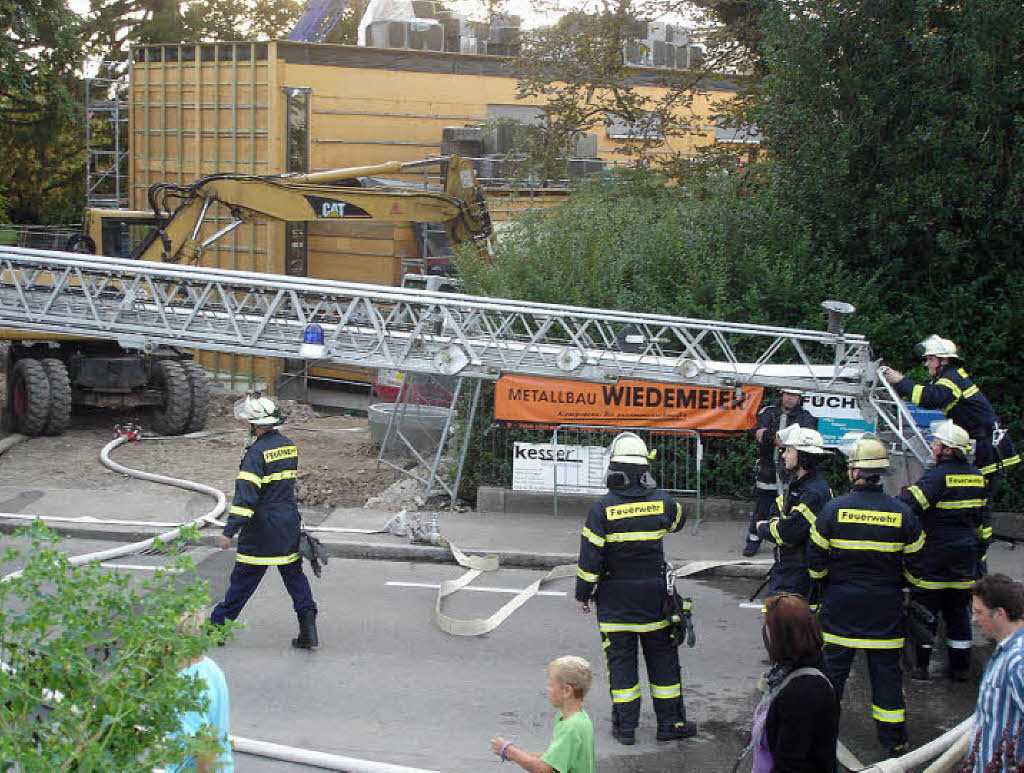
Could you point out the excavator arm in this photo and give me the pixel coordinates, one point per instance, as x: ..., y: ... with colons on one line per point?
x: 180, y: 211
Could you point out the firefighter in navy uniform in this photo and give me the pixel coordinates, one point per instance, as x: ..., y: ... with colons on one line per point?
x: 264, y: 515
x: 858, y: 549
x: 953, y: 392
x: 767, y: 484
x: 622, y: 564
x: 794, y: 512
x: 950, y: 503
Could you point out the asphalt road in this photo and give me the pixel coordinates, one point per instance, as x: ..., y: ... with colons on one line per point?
x: 386, y: 685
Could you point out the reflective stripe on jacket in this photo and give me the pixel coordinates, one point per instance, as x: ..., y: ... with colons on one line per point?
x: 950, y: 504
x: 790, y: 531
x: 621, y: 555
x: 959, y: 398
x: 263, y: 511
x: 858, y: 548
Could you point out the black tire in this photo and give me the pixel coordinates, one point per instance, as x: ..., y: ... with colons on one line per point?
x: 200, y: 395
x: 60, y: 396
x: 30, y: 397
x: 171, y: 418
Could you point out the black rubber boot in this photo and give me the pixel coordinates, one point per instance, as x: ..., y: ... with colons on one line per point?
x: 307, y: 638
x: 677, y: 731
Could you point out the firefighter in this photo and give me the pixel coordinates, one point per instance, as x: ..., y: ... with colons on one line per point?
x: 622, y: 565
x: 767, y: 484
x: 264, y: 515
x: 950, y: 503
x: 953, y: 392
x: 857, y: 551
x: 795, y: 511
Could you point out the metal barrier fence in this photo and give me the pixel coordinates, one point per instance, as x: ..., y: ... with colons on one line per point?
x: 37, y: 237
x: 676, y: 465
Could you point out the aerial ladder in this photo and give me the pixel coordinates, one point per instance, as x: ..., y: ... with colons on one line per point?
x: 146, y: 305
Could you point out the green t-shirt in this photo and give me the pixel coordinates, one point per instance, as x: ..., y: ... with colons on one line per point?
x: 572, y: 744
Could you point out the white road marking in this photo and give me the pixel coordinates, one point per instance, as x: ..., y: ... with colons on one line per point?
x: 482, y: 589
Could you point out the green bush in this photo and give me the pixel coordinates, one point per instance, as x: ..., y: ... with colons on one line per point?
x: 727, y: 249
x: 93, y: 658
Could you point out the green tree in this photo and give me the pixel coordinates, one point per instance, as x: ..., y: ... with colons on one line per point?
x: 40, y: 55
x: 579, y: 71
x: 895, y: 129
x: 91, y: 663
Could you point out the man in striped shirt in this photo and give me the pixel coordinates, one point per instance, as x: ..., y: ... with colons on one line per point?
x: 997, y: 609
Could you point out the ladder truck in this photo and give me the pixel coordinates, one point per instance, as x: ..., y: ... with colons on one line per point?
x: 147, y: 305
x: 48, y: 372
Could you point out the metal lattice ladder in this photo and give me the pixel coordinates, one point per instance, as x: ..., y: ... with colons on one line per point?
x: 143, y: 305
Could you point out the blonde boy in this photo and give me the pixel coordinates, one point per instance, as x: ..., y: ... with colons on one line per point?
x: 572, y: 740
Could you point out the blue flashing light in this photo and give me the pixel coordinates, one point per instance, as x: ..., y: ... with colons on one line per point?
x: 314, y: 334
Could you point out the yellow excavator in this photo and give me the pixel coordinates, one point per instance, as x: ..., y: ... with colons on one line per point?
x: 48, y: 374
x: 179, y: 211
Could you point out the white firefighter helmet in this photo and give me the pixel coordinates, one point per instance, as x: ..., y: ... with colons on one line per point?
x: 259, y: 410
x: 936, y: 346
x: 864, y: 451
x: 629, y: 448
x: 951, y: 435
x: 802, y: 439
x: 792, y: 391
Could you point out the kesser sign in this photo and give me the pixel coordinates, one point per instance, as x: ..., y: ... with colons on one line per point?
x: 580, y: 468
x: 837, y: 415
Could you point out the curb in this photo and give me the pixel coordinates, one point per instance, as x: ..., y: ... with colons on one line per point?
x: 512, y: 559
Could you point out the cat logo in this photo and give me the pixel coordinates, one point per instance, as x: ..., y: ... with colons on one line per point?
x: 329, y: 209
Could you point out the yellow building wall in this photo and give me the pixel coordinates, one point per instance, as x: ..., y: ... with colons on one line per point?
x: 197, y: 110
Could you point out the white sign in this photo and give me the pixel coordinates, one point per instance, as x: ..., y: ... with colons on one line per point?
x: 580, y: 468
x: 837, y: 415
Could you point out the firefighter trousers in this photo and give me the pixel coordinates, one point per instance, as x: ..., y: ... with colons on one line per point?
x: 662, y: 659
x: 245, y: 579
x: 887, y: 705
x: 763, y: 499
x: 954, y: 604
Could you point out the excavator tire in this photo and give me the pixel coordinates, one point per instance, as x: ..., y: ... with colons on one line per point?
x: 60, y: 396
x: 200, y: 395
x: 30, y: 397
x: 172, y: 417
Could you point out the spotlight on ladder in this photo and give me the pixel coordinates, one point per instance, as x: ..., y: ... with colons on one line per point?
x: 837, y: 314
x: 450, y: 360
x: 569, y: 359
x: 687, y: 368
x: 312, y: 347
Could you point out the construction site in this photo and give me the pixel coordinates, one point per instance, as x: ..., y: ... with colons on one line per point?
x: 283, y: 217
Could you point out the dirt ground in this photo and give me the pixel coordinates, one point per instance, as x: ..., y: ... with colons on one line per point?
x: 336, y: 457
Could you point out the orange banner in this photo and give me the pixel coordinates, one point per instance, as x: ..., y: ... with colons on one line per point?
x: 625, y: 403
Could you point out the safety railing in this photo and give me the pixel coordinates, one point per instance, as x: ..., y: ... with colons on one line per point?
x: 676, y: 465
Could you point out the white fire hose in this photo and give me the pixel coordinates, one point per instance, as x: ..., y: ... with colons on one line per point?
x: 951, y: 745
x: 244, y: 745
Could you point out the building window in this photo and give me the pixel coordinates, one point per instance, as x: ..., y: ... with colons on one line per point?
x: 296, y: 235
x: 297, y: 130
x: 648, y: 127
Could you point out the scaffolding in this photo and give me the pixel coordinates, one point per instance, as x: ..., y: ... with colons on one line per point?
x: 106, y: 141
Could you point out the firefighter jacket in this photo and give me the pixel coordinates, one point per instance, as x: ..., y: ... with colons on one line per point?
x: 772, y: 419
x: 858, y: 548
x: 621, y: 555
x: 959, y: 398
x: 792, y: 516
x: 950, y: 504
x: 263, y: 511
